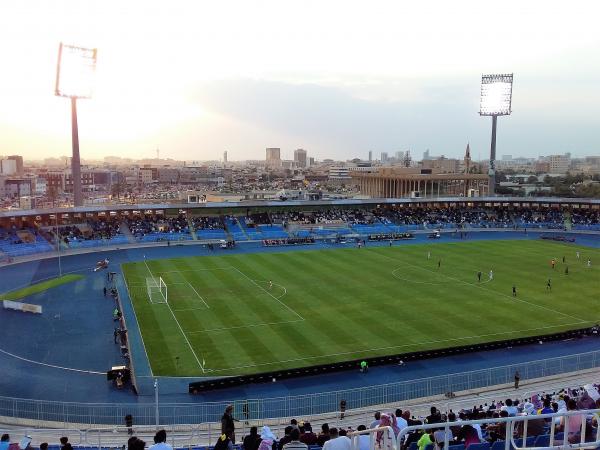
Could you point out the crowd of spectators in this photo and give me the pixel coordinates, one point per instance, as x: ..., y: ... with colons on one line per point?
x: 142, y: 226
x: 257, y: 219
x: 207, y: 223
x: 299, y: 435
x: 585, y: 217
x: 90, y: 230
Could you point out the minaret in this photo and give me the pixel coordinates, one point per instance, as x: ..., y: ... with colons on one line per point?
x: 467, y: 158
x: 467, y: 161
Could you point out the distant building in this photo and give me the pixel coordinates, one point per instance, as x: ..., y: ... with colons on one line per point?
x: 311, y: 161
x: 18, y: 163
x: 399, y: 156
x: 300, y: 157
x: 394, y: 182
x: 225, y: 156
x: 8, y: 167
x: 442, y: 165
x: 370, y: 156
x: 384, y: 157
x: 339, y: 173
x: 559, y: 163
x: 168, y: 175
x: 273, y: 157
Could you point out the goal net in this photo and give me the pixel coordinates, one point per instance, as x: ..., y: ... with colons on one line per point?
x: 157, y: 290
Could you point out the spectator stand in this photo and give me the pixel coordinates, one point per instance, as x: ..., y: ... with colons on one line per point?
x: 209, y: 227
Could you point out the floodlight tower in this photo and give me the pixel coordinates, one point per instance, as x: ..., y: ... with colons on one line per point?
x: 74, y: 76
x: 496, y: 100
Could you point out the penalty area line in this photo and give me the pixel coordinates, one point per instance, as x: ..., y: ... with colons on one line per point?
x: 180, y: 328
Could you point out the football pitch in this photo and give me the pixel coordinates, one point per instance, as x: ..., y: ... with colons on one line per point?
x: 248, y: 313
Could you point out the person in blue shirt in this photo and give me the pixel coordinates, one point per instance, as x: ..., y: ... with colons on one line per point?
x: 4, y: 442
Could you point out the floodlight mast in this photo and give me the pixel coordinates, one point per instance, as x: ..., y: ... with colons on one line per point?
x: 496, y: 100
x: 71, y: 82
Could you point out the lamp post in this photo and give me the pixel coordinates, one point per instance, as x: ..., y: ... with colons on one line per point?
x: 496, y: 100
x: 74, y: 79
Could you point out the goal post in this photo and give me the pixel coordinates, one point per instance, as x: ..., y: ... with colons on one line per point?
x: 157, y: 290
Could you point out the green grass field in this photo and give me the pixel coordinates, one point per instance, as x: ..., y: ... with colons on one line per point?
x: 223, y: 318
x: 39, y: 287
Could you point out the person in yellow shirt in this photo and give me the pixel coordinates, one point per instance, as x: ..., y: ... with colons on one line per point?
x: 425, y: 440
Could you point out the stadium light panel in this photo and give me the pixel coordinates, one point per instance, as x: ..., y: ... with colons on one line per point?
x: 496, y: 95
x: 75, y: 71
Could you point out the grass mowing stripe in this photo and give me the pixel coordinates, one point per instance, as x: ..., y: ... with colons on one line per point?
x: 520, y: 300
x: 40, y: 287
x: 354, y: 307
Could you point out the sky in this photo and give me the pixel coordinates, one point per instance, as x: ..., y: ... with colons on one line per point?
x: 335, y: 77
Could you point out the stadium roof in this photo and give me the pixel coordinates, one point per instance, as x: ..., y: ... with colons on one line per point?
x: 209, y: 207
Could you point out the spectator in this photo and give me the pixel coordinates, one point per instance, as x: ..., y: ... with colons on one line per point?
x: 425, y: 440
x: 160, y: 441
x: 497, y: 431
x: 294, y: 424
x: 509, y: 408
x: 535, y: 427
x: 377, y: 420
x: 287, y: 436
x: 364, y: 441
x: 134, y: 444
x: 439, y: 436
x: 324, y: 436
x: 468, y: 435
x: 4, y: 442
x: 572, y: 426
x: 227, y: 423
x: 223, y: 443
x: 434, y: 417
x: 337, y: 442
x: 44, y: 446
x: 267, y: 439
x: 294, y: 443
x: 64, y: 443
x: 306, y: 434
x: 400, y: 420
x: 252, y: 441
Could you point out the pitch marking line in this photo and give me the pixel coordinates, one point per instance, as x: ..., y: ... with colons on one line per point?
x: 275, y: 284
x: 266, y: 291
x: 199, y: 296
x: 432, y: 283
x: 197, y: 270
x: 245, y: 326
x: 52, y: 366
x: 397, y: 346
x: 486, y: 289
x: 180, y: 329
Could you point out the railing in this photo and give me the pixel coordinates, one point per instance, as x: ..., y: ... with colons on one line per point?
x: 515, y: 436
x: 511, y: 441
x: 293, y: 406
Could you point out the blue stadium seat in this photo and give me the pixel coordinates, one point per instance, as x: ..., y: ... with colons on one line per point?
x: 542, y: 441
x: 498, y: 445
x: 480, y: 446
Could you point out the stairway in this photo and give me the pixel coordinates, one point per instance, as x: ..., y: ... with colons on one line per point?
x: 192, y: 229
x: 127, y: 233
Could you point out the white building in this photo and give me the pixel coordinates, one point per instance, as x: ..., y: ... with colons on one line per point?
x: 559, y: 163
x: 8, y: 167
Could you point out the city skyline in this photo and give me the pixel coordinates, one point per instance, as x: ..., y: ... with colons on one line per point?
x: 195, y: 80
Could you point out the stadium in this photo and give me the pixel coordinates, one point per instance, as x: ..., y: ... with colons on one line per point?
x: 321, y: 311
